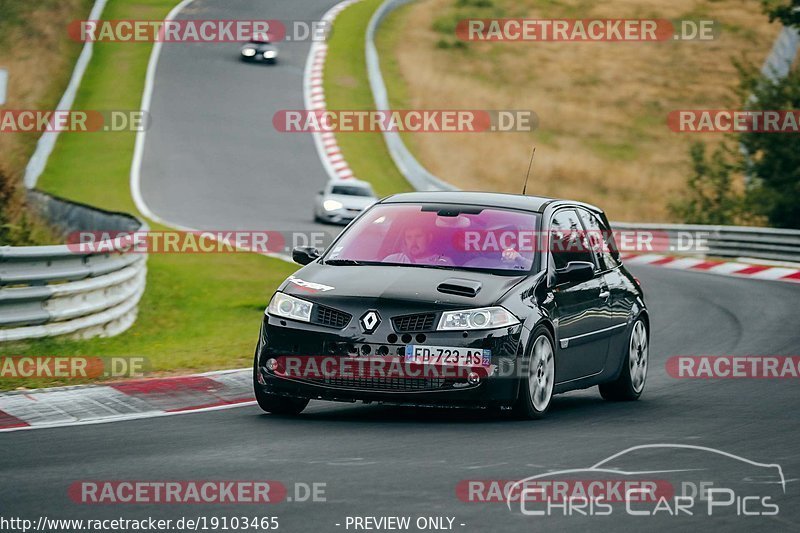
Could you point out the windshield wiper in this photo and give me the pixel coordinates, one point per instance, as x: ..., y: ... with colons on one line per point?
x: 342, y: 262
x: 421, y: 265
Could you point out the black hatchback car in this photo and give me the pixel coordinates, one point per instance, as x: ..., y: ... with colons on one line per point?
x: 457, y: 299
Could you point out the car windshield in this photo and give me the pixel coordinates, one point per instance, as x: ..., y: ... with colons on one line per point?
x: 351, y: 190
x: 440, y: 235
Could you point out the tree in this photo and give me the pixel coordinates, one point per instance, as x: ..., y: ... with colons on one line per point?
x: 772, y: 165
x: 711, y: 197
x: 774, y: 162
x: 787, y: 12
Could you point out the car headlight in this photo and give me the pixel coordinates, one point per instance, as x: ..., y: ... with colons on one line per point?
x: 482, y: 318
x: 249, y: 52
x: 269, y: 54
x: 287, y: 306
x: 331, y: 205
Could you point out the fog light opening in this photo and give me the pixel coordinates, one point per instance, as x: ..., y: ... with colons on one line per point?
x: 272, y: 364
x: 473, y: 378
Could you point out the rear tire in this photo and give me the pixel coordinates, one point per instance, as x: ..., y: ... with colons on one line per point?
x: 272, y: 403
x: 630, y: 383
x: 536, y: 387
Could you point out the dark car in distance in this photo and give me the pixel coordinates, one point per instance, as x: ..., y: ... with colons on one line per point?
x: 259, y: 49
x: 457, y: 299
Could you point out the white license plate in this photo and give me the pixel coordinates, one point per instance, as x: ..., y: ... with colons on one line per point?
x: 447, y: 355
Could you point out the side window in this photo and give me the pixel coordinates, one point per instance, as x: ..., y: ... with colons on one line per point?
x: 568, y: 240
x: 600, y: 239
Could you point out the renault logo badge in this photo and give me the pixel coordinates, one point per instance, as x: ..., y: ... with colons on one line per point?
x: 369, y: 321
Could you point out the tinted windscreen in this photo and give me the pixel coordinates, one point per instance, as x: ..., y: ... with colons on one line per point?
x: 447, y: 236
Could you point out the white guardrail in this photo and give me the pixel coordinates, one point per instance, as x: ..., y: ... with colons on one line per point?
x: 418, y: 176
x: 47, y: 291
x: 57, y: 290
x: 720, y: 241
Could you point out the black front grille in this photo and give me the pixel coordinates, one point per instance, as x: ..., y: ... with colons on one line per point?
x: 414, y: 323
x: 327, y: 316
x: 385, y: 384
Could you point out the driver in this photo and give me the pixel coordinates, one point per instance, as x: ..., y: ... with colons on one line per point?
x: 416, y: 249
x: 509, y: 258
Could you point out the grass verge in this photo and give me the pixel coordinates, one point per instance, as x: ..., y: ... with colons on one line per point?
x: 200, y: 311
x: 347, y: 88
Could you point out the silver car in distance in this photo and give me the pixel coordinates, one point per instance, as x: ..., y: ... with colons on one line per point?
x: 343, y: 200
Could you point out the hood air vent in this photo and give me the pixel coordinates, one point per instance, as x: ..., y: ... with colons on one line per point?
x: 460, y: 287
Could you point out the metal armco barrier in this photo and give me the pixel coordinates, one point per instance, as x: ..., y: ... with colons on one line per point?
x: 53, y: 290
x: 722, y: 241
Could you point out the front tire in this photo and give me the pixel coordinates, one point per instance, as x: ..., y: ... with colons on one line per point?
x: 272, y: 403
x: 630, y: 383
x: 536, y: 388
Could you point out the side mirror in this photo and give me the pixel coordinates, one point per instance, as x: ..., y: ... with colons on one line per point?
x: 575, y: 272
x: 303, y: 255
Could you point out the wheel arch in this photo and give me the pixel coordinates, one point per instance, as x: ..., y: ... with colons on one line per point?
x: 643, y: 314
x: 526, y: 343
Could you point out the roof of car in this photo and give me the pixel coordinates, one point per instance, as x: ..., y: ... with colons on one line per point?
x: 488, y: 199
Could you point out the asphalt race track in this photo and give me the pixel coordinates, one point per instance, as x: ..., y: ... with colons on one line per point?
x: 378, y: 460
x: 213, y: 161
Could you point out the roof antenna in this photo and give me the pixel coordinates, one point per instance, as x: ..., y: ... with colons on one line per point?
x: 525, y: 185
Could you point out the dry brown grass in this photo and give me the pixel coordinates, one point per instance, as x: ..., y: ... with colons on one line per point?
x: 39, y: 57
x: 602, y: 106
